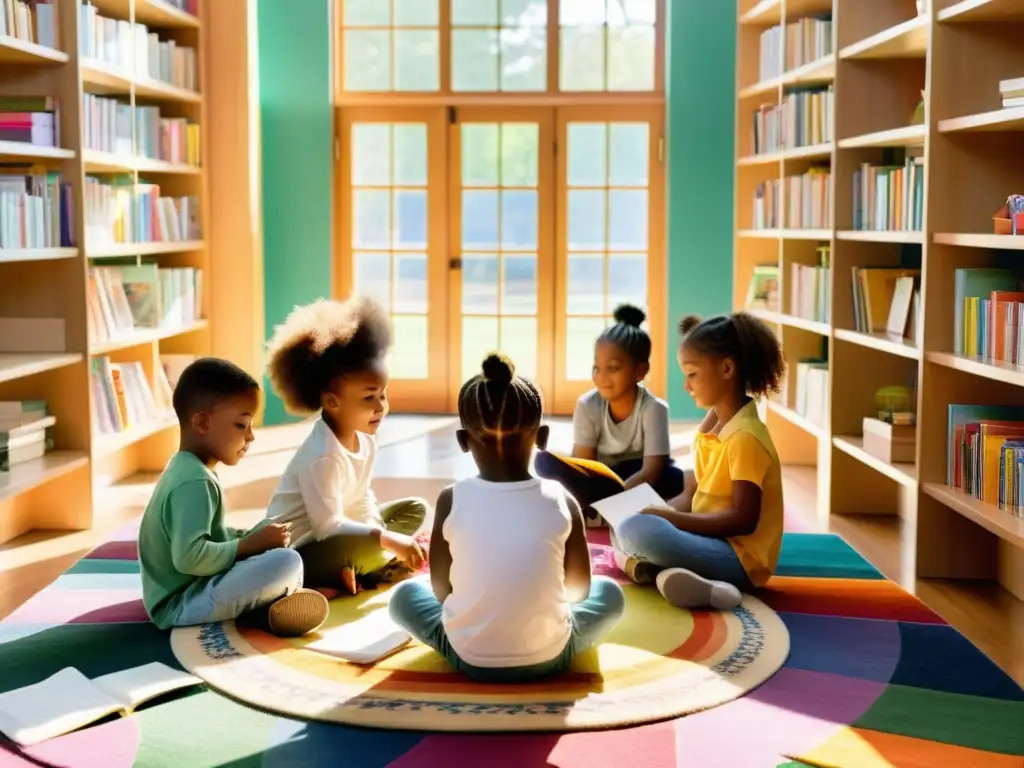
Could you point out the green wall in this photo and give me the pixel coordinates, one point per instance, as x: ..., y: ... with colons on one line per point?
x: 700, y: 83
x: 295, y: 96
x: 297, y: 142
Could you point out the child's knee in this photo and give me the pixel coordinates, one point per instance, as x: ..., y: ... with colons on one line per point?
x: 635, y: 530
x: 610, y: 595
x: 281, y: 566
x: 545, y: 464
x: 403, y: 596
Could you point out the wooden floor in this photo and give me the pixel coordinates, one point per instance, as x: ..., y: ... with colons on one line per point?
x: 420, y: 457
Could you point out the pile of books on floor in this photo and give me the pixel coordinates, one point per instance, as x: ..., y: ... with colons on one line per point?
x: 1012, y: 92
x: 26, y: 427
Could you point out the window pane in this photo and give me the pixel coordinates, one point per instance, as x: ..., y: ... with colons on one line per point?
x: 519, y: 341
x: 582, y: 59
x: 475, y: 13
x: 479, y: 339
x: 371, y: 154
x: 631, y: 58
x: 411, y: 283
x: 410, y: 148
x: 581, y: 13
x: 371, y: 218
x: 629, y: 154
x: 519, y: 285
x: 410, y: 226
x: 585, y: 285
x: 410, y: 353
x: 367, y: 60
x: 580, y: 335
x: 480, y: 220
x: 519, y: 219
x: 372, y: 275
x: 524, y: 13
x: 587, y: 154
x: 627, y: 279
x: 415, y: 13
x: 480, y: 154
x: 627, y: 219
x: 366, y: 13
x: 480, y: 284
x: 474, y: 60
x: 417, y: 59
x: 586, y: 219
x: 519, y: 158
x: 636, y: 11
x: 523, y: 58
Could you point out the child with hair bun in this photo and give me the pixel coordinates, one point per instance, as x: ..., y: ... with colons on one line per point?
x: 724, y: 531
x: 510, y: 596
x: 620, y: 429
x: 328, y: 357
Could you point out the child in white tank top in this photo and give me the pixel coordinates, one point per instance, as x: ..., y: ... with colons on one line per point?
x: 510, y: 596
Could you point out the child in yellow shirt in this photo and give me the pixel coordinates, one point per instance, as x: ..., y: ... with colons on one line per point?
x: 723, y: 533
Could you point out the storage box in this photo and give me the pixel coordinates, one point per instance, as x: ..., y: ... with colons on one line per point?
x: 892, y: 443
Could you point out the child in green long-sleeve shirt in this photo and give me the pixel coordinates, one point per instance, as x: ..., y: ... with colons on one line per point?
x: 195, y: 569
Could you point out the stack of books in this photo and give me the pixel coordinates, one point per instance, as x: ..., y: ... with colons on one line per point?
x: 808, y: 40
x: 988, y: 313
x: 35, y: 209
x: 119, y: 211
x: 165, y: 60
x: 809, y: 293
x: 985, y: 455
x: 1012, y: 92
x: 809, y: 200
x: 25, y: 432
x: 124, y: 299
x: 30, y: 120
x: 106, y: 124
x: 890, y: 197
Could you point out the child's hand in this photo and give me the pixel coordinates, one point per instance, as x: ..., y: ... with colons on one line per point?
x: 405, y: 548
x: 271, y: 536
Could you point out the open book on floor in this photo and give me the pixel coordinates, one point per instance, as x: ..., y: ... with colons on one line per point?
x: 68, y: 700
x: 617, y: 508
x: 366, y: 640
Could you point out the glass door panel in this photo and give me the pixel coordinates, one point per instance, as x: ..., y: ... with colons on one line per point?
x: 609, y: 247
x: 391, y: 231
x: 501, y: 241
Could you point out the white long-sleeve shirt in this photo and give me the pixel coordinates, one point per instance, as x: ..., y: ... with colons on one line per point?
x: 324, y: 486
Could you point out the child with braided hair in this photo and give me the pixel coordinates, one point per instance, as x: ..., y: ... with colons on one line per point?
x: 328, y: 357
x: 510, y: 596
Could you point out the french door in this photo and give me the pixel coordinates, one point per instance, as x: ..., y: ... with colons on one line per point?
x: 478, y: 231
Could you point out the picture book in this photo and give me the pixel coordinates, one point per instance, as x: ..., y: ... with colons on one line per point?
x: 68, y: 700
x: 366, y: 640
x: 617, y: 508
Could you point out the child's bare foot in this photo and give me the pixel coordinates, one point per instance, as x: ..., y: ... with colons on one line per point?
x: 299, y: 613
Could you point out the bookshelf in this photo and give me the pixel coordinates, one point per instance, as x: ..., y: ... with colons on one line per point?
x: 897, y: 110
x: 125, y: 279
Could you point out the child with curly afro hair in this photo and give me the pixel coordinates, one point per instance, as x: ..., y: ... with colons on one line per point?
x: 722, y: 535
x: 329, y: 358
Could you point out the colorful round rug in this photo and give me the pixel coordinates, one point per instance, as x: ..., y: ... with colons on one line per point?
x: 658, y: 662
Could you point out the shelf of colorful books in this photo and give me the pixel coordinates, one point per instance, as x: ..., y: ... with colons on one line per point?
x: 8, y: 255
x: 106, y: 443
x: 118, y: 250
x: 903, y: 473
x: 1006, y: 525
x: 16, y: 51
x: 33, y: 473
x: 1008, y: 373
x: 999, y: 120
x: 880, y: 236
x: 797, y: 420
x: 19, y: 150
x: 988, y: 242
x: 144, y: 336
x: 154, y: 13
x: 883, y: 342
x: 19, y: 365
x: 149, y: 88
x: 792, y: 321
x: 907, y: 136
x: 967, y: 11
x: 907, y: 40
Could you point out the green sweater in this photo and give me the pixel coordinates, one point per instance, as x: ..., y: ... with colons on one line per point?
x: 182, y: 539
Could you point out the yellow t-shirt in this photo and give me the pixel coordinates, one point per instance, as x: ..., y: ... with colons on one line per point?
x: 743, y: 450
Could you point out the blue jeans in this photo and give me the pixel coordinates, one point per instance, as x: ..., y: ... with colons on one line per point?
x: 415, y: 608
x: 654, y: 540
x: 249, y: 584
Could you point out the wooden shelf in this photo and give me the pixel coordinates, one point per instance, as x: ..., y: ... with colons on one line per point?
x: 142, y: 337
x: 813, y: 73
x: 904, y: 474
x: 1005, y: 525
x: 883, y: 342
x: 106, y: 444
x: 994, y: 242
x: 907, y: 136
x: 813, y: 152
x: 908, y: 40
x: 8, y: 255
x: 1011, y: 119
x: 18, y: 150
x: 147, y: 87
x: 879, y: 236
x: 97, y: 161
x: 1005, y: 372
x: 19, y: 365
x: 983, y: 10
x: 797, y: 420
x: 32, y: 474
x: 16, y: 51
x: 106, y: 78
x: 144, y: 249
x: 765, y: 13
x: 779, y: 318
x: 153, y: 13
x: 786, y: 234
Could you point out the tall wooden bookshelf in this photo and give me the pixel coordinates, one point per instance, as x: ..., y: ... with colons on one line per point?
x: 959, y: 554
x: 64, y: 489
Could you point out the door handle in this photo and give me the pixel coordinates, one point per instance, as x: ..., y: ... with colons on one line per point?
x: 454, y: 264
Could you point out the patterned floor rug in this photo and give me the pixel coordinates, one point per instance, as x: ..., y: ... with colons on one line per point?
x: 873, y: 680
